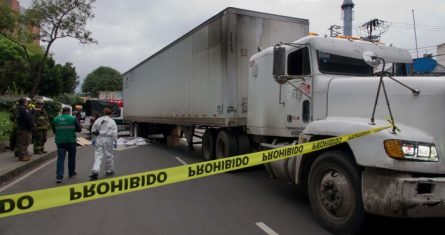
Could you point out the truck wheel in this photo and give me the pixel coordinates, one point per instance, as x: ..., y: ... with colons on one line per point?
x: 243, y: 143
x: 334, y: 189
x: 226, y: 144
x: 208, y: 144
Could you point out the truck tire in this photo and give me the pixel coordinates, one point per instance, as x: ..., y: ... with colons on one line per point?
x: 243, y: 143
x: 208, y: 144
x: 334, y: 188
x: 226, y: 144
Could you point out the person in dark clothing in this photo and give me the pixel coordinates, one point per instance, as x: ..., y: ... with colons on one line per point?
x: 25, y: 126
x: 39, y: 136
x: 93, y: 118
x: 65, y: 127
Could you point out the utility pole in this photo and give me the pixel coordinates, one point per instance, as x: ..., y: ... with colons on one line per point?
x: 415, y: 34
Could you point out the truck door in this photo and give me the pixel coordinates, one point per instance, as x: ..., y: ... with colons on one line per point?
x: 298, y: 92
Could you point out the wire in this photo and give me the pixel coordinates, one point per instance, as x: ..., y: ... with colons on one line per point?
x: 430, y: 47
x: 418, y: 27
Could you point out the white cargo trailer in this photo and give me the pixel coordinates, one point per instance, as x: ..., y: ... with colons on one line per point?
x: 305, y: 90
x: 201, y: 78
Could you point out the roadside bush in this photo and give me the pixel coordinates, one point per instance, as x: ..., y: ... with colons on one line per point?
x: 53, y: 109
x: 5, y: 125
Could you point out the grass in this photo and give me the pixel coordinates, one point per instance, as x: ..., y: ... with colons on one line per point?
x: 5, y: 125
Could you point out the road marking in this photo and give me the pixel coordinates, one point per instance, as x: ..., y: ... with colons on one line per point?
x: 27, y: 175
x: 266, y: 228
x: 181, y: 161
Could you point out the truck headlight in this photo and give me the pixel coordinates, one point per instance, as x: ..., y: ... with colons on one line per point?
x: 409, y: 150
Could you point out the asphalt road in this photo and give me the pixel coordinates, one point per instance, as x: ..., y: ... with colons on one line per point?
x: 243, y: 202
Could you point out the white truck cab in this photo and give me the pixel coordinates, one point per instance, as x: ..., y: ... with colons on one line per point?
x: 320, y: 87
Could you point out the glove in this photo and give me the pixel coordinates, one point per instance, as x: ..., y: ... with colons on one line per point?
x: 115, y: 144
x: 94, y: 142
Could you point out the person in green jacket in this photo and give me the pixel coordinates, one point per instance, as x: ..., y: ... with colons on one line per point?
x: 65, y: 127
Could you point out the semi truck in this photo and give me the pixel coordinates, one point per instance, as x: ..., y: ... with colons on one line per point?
x: 301, y: 91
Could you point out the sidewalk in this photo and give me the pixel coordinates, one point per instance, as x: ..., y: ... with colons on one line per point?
x: 11, y: 167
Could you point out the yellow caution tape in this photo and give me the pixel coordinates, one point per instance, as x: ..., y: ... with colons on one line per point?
x: 70, y: 194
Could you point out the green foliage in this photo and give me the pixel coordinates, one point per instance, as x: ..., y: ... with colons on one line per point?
x: 102, y: 79
x: 5, y: 125
x: 58, y: 79
x: 14, y: 26
x: 7, y: 18
x: 25, y: 67
x: 53, y: 109
x: 17, y: 73
x: 59, y: 19
x: 69, y: 99
x: 13, y: 65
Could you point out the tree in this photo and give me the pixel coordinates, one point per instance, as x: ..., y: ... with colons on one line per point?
x: 13, y: 65
x: 17, y: 78
x: 70, y: 99
x: 14, y: 28
x: 58, y: 79
x: 15, y: 57
x: 59, y: 19
x: 102, y: 79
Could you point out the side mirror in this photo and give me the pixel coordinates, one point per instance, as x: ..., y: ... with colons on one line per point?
x: 279, y: 61
x: 371, y: 59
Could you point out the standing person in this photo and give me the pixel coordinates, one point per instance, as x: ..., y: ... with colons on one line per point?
x: 78, y: 116
x: 65, y: 127
x: 93, y: 118
x: 25, y: 126
x: 40, y: 133
x: 13, y: 117
x: 104, y: 132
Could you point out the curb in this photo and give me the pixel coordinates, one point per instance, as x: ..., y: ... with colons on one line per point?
x: 10, y: 175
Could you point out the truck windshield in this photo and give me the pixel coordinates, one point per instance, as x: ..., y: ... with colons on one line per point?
x: 337, y: 64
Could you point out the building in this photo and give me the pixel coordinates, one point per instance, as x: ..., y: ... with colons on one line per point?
x: 15, y: 5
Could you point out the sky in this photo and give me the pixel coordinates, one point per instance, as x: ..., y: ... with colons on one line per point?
x: 129, y: 31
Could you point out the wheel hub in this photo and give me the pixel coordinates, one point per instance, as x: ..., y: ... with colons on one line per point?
x: 335, y: 193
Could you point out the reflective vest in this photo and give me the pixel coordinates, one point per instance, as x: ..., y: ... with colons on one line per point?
x: 65, y: 129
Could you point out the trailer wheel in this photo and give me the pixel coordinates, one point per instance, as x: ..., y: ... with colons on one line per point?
x: 226, y: 144
x: 334, y: 189
x: 243, y: 143
x: 208, y: 144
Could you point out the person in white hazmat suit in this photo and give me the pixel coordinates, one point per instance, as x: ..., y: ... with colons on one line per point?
x: 104, y: 132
